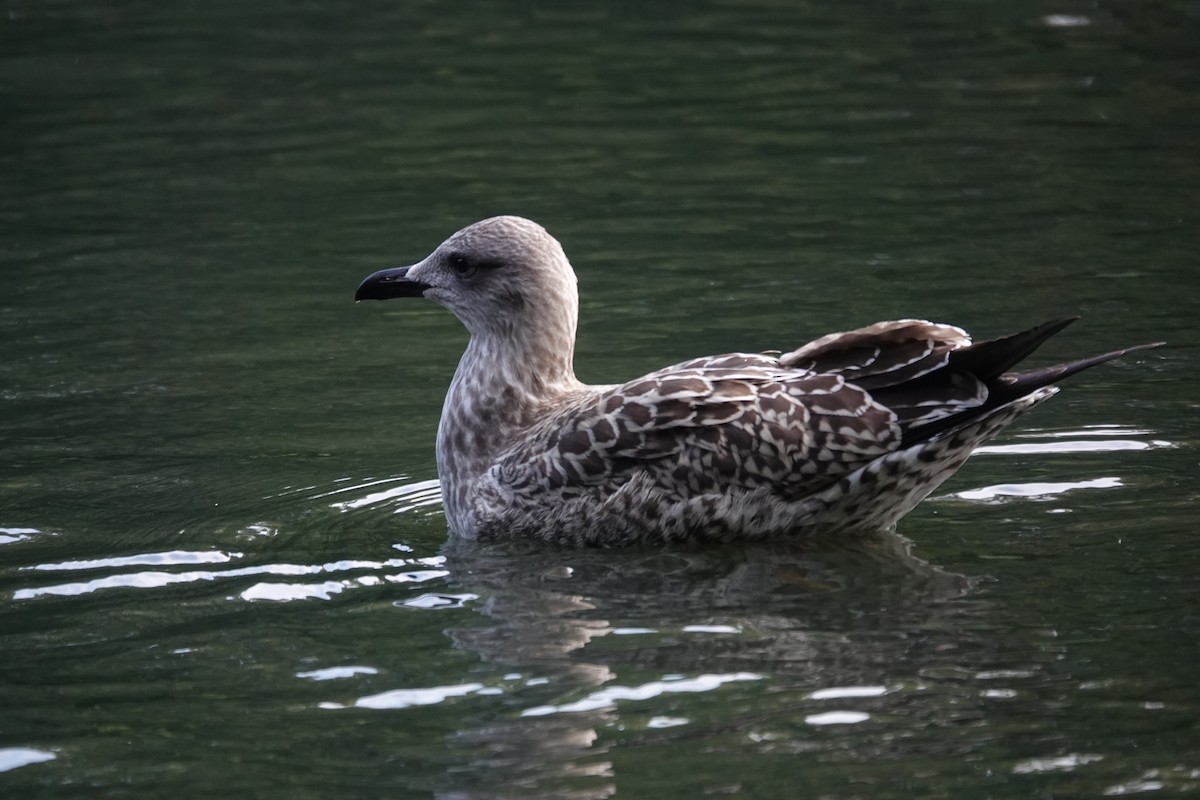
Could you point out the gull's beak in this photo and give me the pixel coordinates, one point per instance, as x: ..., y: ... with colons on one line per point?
x: 388, y: 283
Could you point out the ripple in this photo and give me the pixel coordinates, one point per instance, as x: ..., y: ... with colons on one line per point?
x: 666, y: 722
x: 11, y: 535
x: 169, y: 558
x: 336, y: 673
x: 711, y: 629
x: 839, y: 692
x: 837, y: 718
x: 14, y: 757
x: 1149, y: 782
x: 276, y: 591
x: 415, y: 495
x: 1087, y: 430
x: 435, y: 600
x: 286, y: 592
x: 407, y: 698
x: 1078, y: 446
x: 607, y: 697
x: 1055, y: 764
x: 1037, y: 488
x: 1079, y: 441
x: 1065, y: 21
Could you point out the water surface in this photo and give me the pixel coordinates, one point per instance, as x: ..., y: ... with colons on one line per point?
x: 223, y: 566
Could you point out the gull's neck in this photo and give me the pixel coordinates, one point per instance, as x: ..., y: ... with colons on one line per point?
x: 509, y: 376
x: 502, y: 381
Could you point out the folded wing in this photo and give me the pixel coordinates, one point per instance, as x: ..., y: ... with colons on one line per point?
x: 793, y: 423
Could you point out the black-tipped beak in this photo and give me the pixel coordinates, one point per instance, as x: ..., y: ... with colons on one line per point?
x: 389, y: 283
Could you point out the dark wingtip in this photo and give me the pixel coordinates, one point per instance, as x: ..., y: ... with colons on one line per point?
x: 992, y: 358
x: 1028, y: 381
x: 983, y: 358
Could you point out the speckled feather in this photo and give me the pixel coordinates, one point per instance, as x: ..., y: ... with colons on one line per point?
x: 846, y: 433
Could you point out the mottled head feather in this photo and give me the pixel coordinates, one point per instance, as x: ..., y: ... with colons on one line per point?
x: 503, y: 277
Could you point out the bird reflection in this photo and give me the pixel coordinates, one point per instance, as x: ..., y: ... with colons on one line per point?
x: 814, y: 609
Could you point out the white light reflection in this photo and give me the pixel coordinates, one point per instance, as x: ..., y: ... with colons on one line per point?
x: 1150, y: 783
x: 666, y: 722
x: 1088, y: 430
x: 10, y: 535
x: 1037, y: 489
x: 438, y: 601
x: 1078, y: 441
x: 336, y: 673
x: 286, y: 592
x: 607, y: 697
x: 14, y: 757
x: 419, y: 494
x: 839, y: 692
x: 1055, y: 764
x: 407, y: 698
x: 169, y: 558
x: 260, y: 591
x: 1078, y: 446
x: 711, y: 629
x: 837, y: 718
x: 1065, y: 21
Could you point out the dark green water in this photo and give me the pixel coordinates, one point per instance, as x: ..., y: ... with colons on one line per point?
x: 223, y: 569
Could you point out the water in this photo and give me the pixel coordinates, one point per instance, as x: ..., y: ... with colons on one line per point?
x: 223, y: 569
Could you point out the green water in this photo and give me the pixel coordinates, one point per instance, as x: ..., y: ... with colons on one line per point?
x: 223, y: 567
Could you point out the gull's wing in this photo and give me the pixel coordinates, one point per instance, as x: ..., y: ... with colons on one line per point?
x: 710, y: 425
x: 793, y: 423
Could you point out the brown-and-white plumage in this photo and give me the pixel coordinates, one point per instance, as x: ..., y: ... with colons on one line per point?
x: 846, y: 433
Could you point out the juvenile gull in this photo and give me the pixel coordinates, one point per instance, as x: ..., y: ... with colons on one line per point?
x: 846, y: 433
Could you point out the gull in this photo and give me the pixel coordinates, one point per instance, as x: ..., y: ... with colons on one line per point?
x: 842, y: 435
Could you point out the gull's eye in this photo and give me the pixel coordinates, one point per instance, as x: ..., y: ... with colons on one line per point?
x: 463, y: 267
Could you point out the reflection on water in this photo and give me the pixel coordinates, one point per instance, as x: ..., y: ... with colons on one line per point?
x: 1037, y: 489
x: 421, y: 494
x: 685, y: 622
x: 13, y: 757
x: 1077, y: 441
x: 280, y: 591
x: 402, y: 496
x: 583, y: 643
x: 11, y: 535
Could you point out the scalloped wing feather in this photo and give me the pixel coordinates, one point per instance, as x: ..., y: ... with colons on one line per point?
x: 883, y: 354
x: 697, y: 427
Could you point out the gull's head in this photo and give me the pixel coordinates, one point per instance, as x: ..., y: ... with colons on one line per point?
x: 497, y: 276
